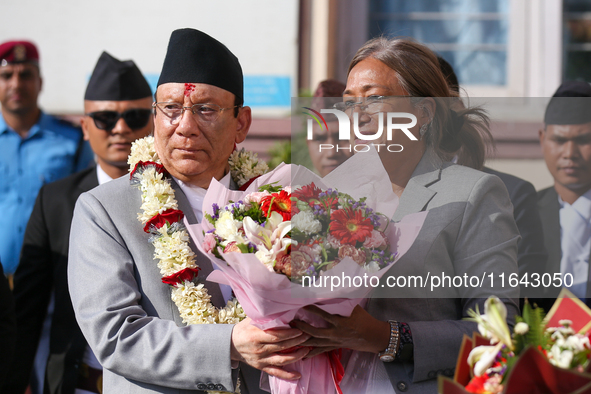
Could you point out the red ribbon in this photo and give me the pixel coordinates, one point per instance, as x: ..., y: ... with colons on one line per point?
x: 247, y: 184
x: 336, y: 368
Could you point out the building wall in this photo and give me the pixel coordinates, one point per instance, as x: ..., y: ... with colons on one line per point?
x: 71, y: 35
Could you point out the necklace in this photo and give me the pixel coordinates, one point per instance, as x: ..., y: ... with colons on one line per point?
x: 164, y: 221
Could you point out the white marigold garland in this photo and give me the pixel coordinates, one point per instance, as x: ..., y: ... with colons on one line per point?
x: 176, y: 260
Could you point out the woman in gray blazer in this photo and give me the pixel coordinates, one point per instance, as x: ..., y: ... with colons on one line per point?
x: 469, y: 238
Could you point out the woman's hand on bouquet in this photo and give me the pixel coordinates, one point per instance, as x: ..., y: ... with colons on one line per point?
x: 360, y: 331
x: 268, y: 350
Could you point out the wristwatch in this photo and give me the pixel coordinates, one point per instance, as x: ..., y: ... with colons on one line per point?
x: 389, y: 354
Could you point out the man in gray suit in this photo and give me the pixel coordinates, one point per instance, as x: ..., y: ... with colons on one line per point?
x: 123, y: 308
x: 565, y: 208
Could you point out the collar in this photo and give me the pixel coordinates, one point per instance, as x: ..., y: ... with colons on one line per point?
x: 196, y: 194
x: 582, y: 205
x: 36, y: 128
x: 417, y: 193
x: 102, y: 176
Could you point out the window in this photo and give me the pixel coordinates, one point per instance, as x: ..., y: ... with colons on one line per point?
x: 577, y: 40
x: 472, y: 35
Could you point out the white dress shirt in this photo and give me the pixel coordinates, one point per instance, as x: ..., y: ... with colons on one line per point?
x: 195, y: 195
x: 575, y: 241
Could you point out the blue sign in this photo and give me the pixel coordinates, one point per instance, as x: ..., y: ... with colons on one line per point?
x: 259, y: 90
x: 267, y: 91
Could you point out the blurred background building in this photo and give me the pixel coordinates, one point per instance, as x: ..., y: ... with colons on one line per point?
x: 513, y: 49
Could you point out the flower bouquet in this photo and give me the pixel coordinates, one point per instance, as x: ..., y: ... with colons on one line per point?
x: 279, y: 247
x: 544, y: 355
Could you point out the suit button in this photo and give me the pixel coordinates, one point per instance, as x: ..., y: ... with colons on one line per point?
x: 201, y: 386
x: 432, y: 374
x: 210, y: 386
x: 220, y: 387
x: 448, y: 372
x: 402, y: 386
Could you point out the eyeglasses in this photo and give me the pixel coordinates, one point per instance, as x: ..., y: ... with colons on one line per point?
x: 370, y: 105
x: 205, y: 112
x: 135, y: 118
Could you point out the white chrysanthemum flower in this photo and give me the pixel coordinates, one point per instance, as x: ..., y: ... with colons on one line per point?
x: 561, y: 358
x: 227, y: 227
x: 577, y: 343
x: 521, y: 328
x: 372, y: 266
x: 306, y: 223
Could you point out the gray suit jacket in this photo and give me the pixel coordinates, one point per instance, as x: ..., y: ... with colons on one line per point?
x: 469, y: 230
x: 126, y: 312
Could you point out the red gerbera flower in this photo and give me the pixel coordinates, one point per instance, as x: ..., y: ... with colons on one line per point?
x: 277, y: 202
x: 476, y: 384
x: 349, y: 226
x: 307, y: 192
x: 330, y: 202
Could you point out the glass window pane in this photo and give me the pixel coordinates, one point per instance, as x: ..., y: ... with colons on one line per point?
x: 478, y: 67
x: 577, y: 40
x: 405, y: 6
x: 471, y: 34
x: 456, y: 31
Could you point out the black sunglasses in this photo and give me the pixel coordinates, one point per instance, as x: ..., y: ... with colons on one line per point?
x: 135, y: 118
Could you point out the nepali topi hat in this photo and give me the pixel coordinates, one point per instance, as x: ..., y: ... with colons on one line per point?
x: 116, y: 80
x: 195, y: 57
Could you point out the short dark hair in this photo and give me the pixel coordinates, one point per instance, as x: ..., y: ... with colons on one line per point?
x: 238, y: 102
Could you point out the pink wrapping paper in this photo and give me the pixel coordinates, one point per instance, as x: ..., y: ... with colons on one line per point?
x: 271, y: 300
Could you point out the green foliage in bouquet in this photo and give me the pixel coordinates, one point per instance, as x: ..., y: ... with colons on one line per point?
x: 279, y: 153
x: 536, y: 334
x: 491, y: 366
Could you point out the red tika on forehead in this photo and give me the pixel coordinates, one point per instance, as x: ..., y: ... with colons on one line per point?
x: 189, y: 87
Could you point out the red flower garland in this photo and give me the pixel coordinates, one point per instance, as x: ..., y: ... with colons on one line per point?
x: 169, y: 216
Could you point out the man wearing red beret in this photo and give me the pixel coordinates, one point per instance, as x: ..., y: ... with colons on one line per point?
x: 35, y: 148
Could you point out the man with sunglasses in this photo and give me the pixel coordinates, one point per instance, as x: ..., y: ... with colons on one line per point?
x: 35, y: 148
x: 117, y: 106
x: 122, y: 305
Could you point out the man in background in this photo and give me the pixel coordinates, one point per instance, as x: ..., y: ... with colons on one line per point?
x: 531, y: 254
x: 35, y: 148
x: 325, y: 160
x: 117, y: 107
x: 565, y: 208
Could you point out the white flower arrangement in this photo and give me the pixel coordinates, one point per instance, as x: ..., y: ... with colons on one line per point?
x: 306, y: 222
x: 245, y: 165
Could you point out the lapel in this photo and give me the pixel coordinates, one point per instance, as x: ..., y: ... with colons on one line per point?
x: 89, y: 181
x: 549, y: 209
x: 417, y: 194
x: 206, y: 267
